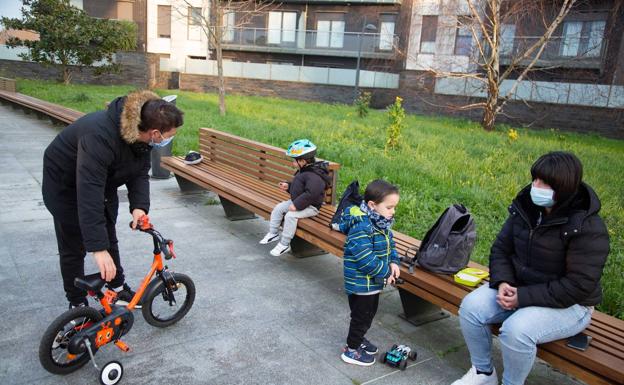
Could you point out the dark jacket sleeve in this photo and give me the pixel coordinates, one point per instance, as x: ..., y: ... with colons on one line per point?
x: 313, y: 187
x: 585, y: 260
x: 139, y: 189
x: 501, y: 254
x: 93, y: 159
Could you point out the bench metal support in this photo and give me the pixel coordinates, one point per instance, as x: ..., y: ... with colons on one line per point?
x: 187, y: 186
x: 234, y: 212
x: 417, y: 311
x: 301, y: 248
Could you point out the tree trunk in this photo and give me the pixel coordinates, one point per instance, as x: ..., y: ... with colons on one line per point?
x: 492, y: 67
x: 218, y: 34
x: 67, y: 75
x: 489, y: 114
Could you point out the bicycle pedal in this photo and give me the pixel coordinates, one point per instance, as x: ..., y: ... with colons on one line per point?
x: 122, y: 346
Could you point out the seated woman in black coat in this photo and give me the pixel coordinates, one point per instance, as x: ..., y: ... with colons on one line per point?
x: 545, y: 268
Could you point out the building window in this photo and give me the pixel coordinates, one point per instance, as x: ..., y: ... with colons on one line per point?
x: 463, y: 37
x: 330, y: 30
x: 582, y: 38
x: 194, y: 23
x: 591, y: 43
x: 386, y: 32
x: 228, y: 26
x: 164, y: 21
x: 508, y: 34
x: 428, y: 34
x: 282, y: 27
x: 76, y: 3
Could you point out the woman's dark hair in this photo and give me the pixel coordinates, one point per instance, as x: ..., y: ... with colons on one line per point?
x: 161, y: 115
x: 378, y: 190
x: 561, y: 170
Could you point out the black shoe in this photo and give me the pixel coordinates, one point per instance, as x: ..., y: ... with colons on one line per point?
x: 369, y: 347
x: 79, y: 303
x: 125, y: 296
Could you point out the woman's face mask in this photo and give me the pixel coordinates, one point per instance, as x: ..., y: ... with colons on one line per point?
x: 542, y: 196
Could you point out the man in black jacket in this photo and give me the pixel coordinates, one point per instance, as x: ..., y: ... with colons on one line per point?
x: 82, y: 169
x: 545, y: 270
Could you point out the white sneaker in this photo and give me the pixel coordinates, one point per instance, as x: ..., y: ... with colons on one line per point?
x: 472, y: 378
x: 270, y: 237
x: 280, y: 249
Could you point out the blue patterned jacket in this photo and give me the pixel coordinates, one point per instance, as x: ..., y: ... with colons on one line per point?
x: 368, y: 252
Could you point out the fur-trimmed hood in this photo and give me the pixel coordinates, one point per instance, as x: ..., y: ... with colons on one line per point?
x: 126, y: 112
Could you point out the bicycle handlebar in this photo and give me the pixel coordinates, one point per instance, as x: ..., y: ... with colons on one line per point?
x: 160, y: 243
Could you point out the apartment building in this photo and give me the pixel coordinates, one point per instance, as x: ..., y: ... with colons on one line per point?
x: 329, y: 33
x: 583, y: 63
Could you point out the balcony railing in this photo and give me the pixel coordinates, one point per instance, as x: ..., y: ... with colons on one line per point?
x: 566, y: 52
x: 307, y: 42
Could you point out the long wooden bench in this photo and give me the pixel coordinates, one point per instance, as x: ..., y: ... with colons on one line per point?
x: 28, y: 103
x: 246, y: 174
x: 602, y: 363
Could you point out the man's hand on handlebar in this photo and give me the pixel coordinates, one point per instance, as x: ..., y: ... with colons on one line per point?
x: 136, y: 215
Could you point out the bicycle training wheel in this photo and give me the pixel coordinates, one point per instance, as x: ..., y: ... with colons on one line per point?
x: 53, y: 353
x: 161, y: 311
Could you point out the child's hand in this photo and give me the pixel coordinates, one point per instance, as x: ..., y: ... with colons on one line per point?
x: 292, y: 207
x: 283, y: 186
x: 390, y: 280
x: 395, y: 272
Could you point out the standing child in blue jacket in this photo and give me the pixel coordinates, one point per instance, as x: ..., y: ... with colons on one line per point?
x: 369, y: 257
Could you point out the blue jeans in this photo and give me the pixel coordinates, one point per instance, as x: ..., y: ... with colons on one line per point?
x: 522, y: 330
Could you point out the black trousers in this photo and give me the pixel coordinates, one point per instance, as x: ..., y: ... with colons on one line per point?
x: 363, y: 310
x: 72, y: 254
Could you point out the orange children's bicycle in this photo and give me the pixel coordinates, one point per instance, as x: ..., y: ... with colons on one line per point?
x: 76, y: 335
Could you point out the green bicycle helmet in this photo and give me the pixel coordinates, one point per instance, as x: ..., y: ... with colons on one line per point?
x: 301, y: 148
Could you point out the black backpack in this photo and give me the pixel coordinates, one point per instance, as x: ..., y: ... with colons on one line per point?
x: 351, y: 196
x: 447, y: 245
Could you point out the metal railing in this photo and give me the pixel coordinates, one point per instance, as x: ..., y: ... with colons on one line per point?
x: 326, y: 43
x: 567, y: 52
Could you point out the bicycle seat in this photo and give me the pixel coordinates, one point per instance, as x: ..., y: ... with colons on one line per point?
x: 92, y: 282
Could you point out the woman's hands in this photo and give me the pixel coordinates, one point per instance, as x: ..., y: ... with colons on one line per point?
x: 507, y: 296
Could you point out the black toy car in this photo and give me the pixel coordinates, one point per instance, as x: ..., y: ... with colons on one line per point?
x: 397, y: 356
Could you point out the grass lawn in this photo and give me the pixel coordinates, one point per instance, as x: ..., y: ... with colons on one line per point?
x: 441, y: 161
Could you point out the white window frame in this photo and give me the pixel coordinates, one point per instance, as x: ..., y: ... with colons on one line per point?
x: 278, y: 31
x: 571, y: 39
x: 330, y: 33
x: 228, y: 26
x: 386, y: 35
x: 507, y: 39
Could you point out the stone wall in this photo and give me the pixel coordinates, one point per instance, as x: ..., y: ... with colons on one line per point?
x: 418, y: 96
x: 138, y: 69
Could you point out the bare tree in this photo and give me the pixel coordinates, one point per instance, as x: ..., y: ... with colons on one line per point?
x: 483, y: 22
x: 212, y: 21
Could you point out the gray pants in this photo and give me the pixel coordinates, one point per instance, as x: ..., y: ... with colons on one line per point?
x: 290, y: 220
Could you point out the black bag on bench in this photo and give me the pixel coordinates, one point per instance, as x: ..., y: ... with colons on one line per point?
x: 447, y: 245
x: 351, y: 196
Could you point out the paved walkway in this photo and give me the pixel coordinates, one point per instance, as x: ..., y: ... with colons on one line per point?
x: 256, y: 319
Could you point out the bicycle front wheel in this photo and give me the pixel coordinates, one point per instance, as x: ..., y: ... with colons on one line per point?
x: 162, y: 307
x: 53, y: 353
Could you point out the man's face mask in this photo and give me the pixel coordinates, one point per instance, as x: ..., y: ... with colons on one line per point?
x: 164, y: 142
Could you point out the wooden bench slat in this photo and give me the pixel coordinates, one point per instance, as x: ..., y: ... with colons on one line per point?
x: 235, y: 148
x: 213, y: 149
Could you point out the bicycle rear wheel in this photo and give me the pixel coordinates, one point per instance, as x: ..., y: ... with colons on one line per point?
x: 159, y: 309
x: 53, y: 353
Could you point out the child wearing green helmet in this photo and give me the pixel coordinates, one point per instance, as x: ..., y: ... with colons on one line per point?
x: 307, y: 193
